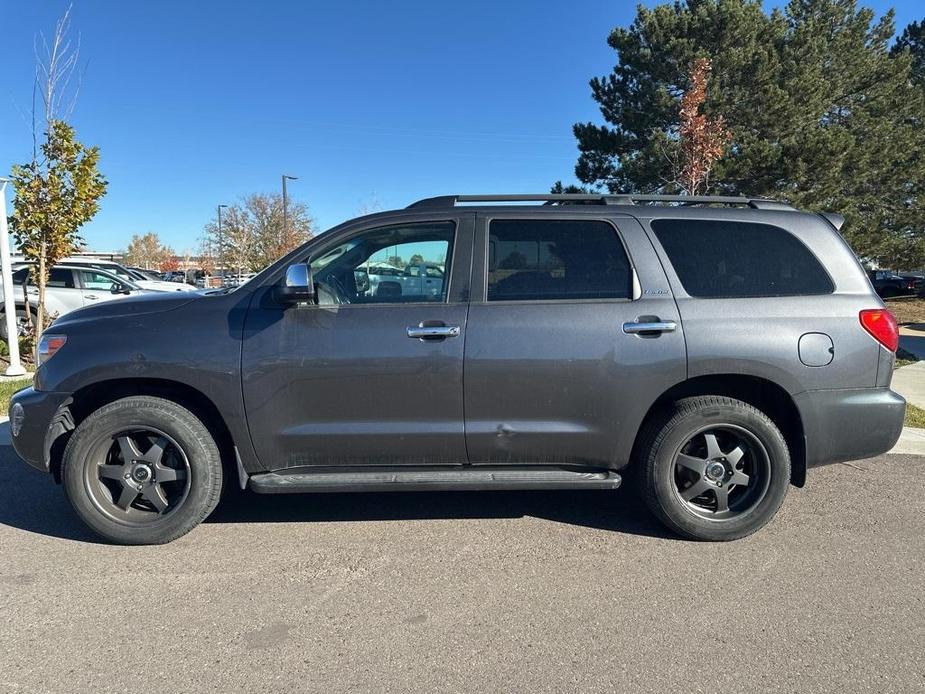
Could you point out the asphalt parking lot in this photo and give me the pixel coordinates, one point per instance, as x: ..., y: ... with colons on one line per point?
x: 513, y: 592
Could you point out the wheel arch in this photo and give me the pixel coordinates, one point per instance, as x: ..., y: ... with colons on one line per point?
x: 91, y: 397
x: 767, y: 396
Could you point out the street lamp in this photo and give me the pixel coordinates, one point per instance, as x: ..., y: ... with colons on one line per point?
x: 221, y: 247
x: 286, y: 208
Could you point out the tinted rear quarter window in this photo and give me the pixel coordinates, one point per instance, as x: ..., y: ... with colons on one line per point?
x: 726, y: 259
x: 61, y: 278
x: 556, y: 260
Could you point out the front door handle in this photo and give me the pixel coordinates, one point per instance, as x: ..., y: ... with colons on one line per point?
x: 92, y: 297
x: 433, y: 332
x: 664, y: 326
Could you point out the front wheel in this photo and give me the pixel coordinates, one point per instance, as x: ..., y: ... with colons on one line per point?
x: 714, y: 468
x: 142, y: 470
x: 22, y: 323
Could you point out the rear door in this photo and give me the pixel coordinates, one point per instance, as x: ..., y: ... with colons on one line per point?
x: 62, y: 294
x: 555, y: 369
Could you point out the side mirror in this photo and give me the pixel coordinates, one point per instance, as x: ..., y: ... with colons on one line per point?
x: 298, y: 285
x: 120, y: 289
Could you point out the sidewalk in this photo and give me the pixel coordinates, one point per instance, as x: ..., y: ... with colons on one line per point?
x: 909, y: 381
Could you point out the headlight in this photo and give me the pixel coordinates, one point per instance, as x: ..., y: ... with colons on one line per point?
x: 49, y: 346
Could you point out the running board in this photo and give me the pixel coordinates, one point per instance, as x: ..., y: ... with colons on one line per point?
x: 454, y: 479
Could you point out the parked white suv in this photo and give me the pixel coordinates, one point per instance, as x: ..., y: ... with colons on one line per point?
x: 69, y: 287
x: 130, y: 275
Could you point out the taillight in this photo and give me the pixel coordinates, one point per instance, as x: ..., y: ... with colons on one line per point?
x: 49, y: 346
x: 882, y: 326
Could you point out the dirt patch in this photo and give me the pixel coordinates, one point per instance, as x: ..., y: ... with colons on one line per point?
x: 907, y: 310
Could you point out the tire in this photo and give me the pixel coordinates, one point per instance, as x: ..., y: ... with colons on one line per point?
x: 720, y: 489
x: 141, y: 471
x: 20, y: 317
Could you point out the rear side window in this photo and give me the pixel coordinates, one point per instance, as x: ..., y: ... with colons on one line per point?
x: 556, y: 259
x: 740, y: 259
x: 61, y: 277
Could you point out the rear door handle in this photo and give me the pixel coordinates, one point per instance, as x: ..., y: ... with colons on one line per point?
x: 666, y: 326
x: 433, y: 332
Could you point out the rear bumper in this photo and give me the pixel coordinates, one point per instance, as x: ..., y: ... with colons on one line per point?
x: 36, y: 420
x: 849, y: 424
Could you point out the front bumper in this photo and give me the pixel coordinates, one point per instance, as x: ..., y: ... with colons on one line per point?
x: 849, y: 424
x: 36, y: 420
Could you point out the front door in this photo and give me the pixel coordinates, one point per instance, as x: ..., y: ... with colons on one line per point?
x: 96, y: 286
x: 371, y: 372
x: 554, y: 372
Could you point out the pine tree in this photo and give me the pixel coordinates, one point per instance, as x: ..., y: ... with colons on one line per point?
x: 913, y: 40
x: 821, y: 112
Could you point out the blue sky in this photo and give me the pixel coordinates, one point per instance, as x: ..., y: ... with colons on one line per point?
x: 198, y: 102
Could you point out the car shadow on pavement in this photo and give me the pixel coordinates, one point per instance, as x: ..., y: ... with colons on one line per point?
x: 913, y: 343
x: 31, y: 501
x: 620, y: 511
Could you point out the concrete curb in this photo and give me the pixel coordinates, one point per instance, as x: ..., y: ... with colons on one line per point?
x: 911, y: 442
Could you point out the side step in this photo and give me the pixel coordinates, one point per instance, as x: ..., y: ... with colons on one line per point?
x: 451, y: 479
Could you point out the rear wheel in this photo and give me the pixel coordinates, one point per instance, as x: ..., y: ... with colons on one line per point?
x: 142, y: 470
x: 715, y: 468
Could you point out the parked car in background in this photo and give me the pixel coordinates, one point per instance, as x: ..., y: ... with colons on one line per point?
x: 918, y: 282
x: 146, y: 273
x: 889, y: 284
x: 69, y: 287
x: 236, y: 280
x: 178, y: 276
x: 420, y: 279
x: 718, y: 348
x: 208, y: 281
x: 129, y: 275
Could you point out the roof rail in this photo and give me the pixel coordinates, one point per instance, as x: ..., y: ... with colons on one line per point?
x: 443, y: 201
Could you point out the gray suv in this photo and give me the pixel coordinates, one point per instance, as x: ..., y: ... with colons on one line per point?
x: 713, y: 349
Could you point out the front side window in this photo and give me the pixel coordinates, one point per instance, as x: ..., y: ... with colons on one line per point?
x: 96, y: 280
x: 396, y: 264
x: 556, y: 260
x: 725, y: 259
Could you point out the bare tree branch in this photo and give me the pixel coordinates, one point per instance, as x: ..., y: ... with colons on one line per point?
x: 55, y: 65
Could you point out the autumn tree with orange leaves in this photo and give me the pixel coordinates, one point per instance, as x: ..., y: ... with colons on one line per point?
x: 703, y: 140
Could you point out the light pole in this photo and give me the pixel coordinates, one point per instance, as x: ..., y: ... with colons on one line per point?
x: 221, y: 247
x: 9, y: 302
x: 286, y: 209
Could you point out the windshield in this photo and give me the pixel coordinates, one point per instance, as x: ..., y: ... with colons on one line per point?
x: 112, y: 268
x: 119, y: 271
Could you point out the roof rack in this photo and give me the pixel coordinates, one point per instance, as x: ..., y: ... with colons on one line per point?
x: 443, y: 201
